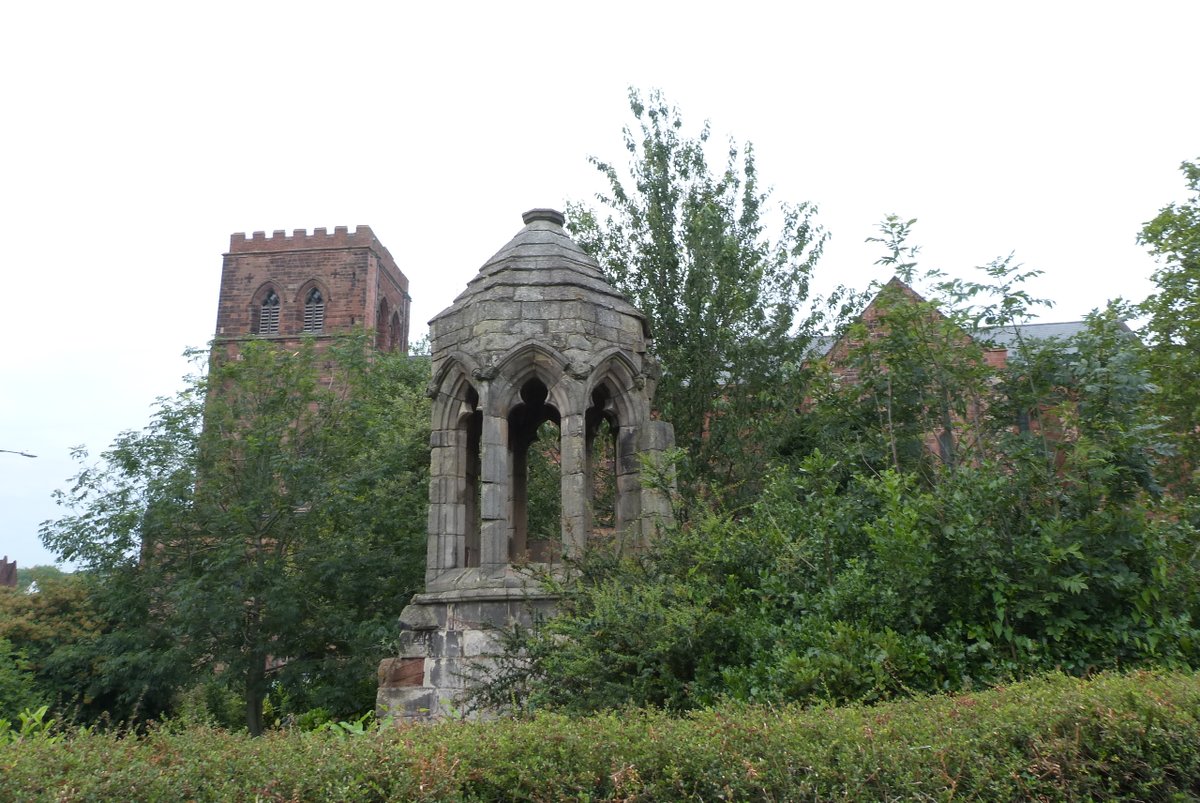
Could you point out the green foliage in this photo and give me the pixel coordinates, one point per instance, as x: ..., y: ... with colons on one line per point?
x: 83, y: 660
x: 37, y: 574
x: 690, y: 247
x: 33, y: 726
x: 876, y: 563
x: 1172, y: 331
x: 907, y: 384
x: 361, y: 726
x: 1108, y: 738
x: 269, y: 519
x: 18, y: 690
x: 544, y: 489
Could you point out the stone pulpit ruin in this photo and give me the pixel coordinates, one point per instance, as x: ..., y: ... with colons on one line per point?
x: 539, y: 361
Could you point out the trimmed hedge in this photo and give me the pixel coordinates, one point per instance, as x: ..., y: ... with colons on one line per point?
x: 1135, y: 736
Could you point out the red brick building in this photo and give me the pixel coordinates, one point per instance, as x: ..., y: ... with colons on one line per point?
x: 285, y: 287
x: 996, y: 342
x: 958, y: 418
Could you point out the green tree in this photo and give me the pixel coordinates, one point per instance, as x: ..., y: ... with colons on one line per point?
x: 906, y: 383
x: 865, y: 569
x: 269, y: 521
x: 86, y: 647
x: 1172, y: 331
x: 18, y: 684
x: 691, y: 249
x: 36, y: 574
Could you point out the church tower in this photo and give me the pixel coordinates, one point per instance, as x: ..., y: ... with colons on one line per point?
x: 284, y: 288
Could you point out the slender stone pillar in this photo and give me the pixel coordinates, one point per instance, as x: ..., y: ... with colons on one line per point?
x: 574, y: 486
x: 494, y: 500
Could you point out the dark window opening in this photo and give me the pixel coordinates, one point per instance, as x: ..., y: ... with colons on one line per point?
x: 314, y: 311
x: 536, y: 496
x: 601, y: 466
x: 394, y: 331
x: 472, y: 489
x: 543, y: 495
x: 383, y: 339
x: 268, y: 314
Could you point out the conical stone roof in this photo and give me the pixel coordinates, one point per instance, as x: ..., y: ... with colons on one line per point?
x: 540, y: 286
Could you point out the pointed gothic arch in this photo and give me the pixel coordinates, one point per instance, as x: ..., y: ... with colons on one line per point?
x: 265, y: 310
x: 383, y: 340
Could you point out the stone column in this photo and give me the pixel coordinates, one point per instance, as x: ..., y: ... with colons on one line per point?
x: 574, y: 484
x: 519, y: 500
x: 495, y: 474
x: 447, y: 511
x: 655, y: 439
x: 629, y: 486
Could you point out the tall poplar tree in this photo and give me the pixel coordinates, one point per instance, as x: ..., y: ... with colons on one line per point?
x: 691, y: 247
x: 1172, y: 332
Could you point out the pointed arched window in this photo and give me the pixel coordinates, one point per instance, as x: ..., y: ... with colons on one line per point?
x: 268, y: 314
x: 314, y: 311
x: 394, y: 331
x: 382, y: 341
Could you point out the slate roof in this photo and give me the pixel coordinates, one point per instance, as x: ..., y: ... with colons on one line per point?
x: 543, y: 256
x: 1007, y: 337
x: 1010, y: 336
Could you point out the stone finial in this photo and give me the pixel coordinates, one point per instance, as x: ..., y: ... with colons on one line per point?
x: 549, y: 215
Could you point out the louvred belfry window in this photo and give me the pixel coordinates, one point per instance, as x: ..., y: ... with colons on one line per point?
x: 268, y: 315
x: 314, y: 311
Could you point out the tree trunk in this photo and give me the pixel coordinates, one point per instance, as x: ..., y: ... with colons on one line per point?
x: 256, y: 688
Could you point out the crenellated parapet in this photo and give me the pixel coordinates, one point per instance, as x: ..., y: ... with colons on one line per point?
x: 301, y: 240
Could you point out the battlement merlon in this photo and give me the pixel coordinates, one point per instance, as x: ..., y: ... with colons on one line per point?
x: 300, y: 240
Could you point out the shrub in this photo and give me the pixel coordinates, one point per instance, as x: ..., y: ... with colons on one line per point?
x: 1110, y: 737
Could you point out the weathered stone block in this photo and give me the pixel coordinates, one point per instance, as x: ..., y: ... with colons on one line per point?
x: 495, y: 432
x: 498, y: 311
x: 453, y: 519
x: 407, y: 703
x: 488, y: 327
x: 494, y: 545
x: 448, y: 550
x: 418, y: 617
x: 494, y: 501
x: 657, y: 436
x: 447, y: 643
x: 607, y: 317
x: 629, y: 505
x: 480, y: 642
x: 443, y: 489
x: 529, y: 294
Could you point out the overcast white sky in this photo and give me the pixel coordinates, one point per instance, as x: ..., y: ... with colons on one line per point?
x: 137, y: 137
